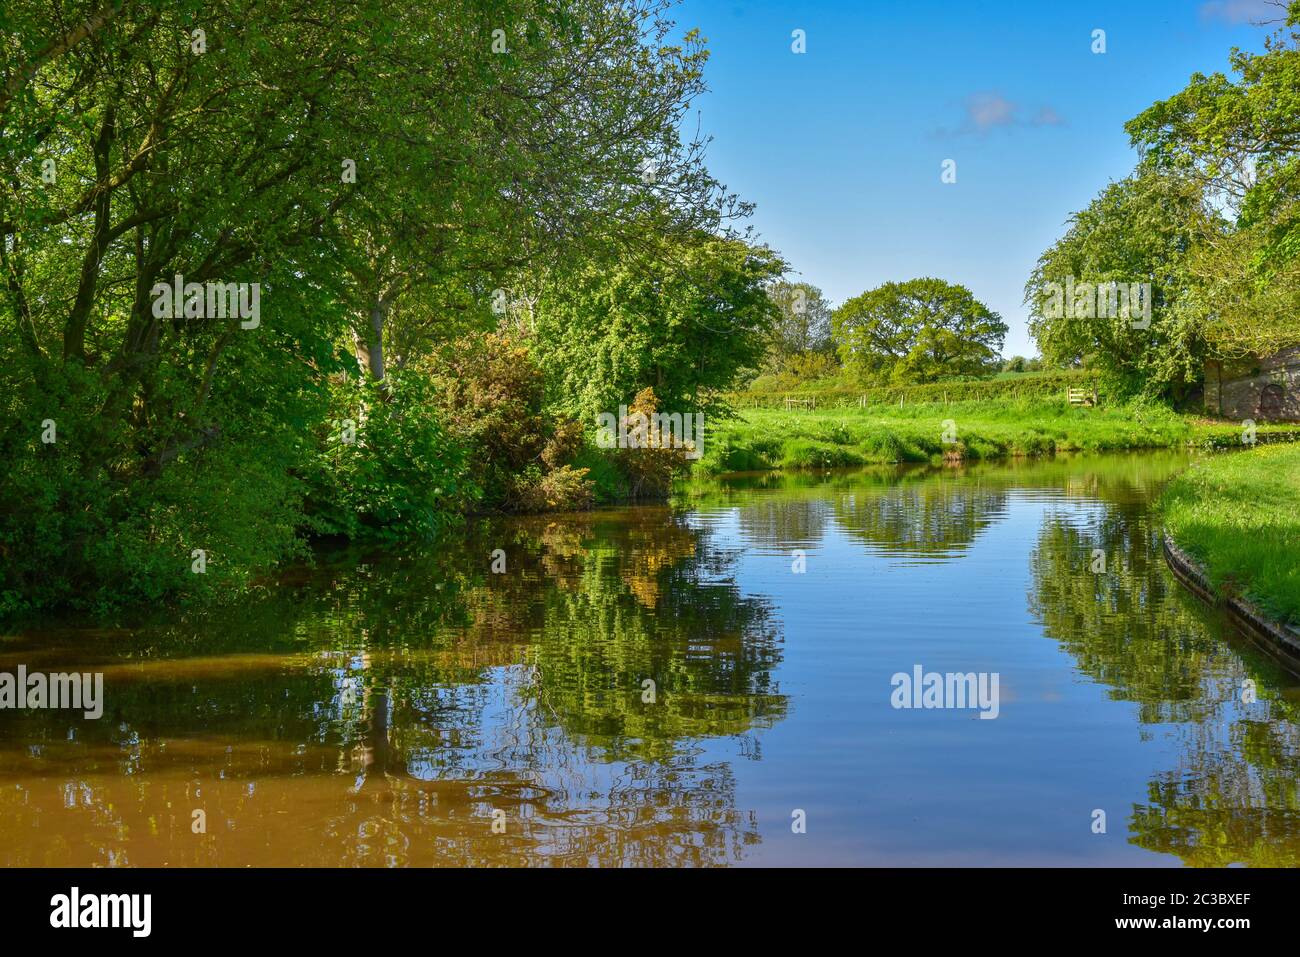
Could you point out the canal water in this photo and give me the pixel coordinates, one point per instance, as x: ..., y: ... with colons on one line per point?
x: 708, y: 684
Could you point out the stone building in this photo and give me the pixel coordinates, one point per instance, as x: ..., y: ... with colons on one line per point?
x: 1263, y: 388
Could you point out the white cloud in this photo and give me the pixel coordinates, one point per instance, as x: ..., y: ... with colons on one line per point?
x: 1243, y: 11
x: 990, y: 110
x: 987, y: 111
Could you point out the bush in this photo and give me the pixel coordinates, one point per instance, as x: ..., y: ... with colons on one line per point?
x: 654, y: 460
x: 388, y: 466
x: 95, y: 537
x: 562, y: 489
x: 805, y: 453
x: 1029, y: 385
x: 491, y: 392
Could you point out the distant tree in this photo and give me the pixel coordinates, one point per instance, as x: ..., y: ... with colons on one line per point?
x: 921, y: 330
x: 803, y: 320
x: 1021, y: 364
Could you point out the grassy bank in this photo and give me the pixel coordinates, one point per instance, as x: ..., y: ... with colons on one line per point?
x: 1238, y: 514
x: 778, y: 439
x: 833, y: 392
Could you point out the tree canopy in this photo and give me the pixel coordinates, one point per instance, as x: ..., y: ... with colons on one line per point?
x: 1210, y: 218
x: 918, y: 331
x: 685, y: 321
x: 368, y: 182
x: 803, y: 319
x: 1136, y: 235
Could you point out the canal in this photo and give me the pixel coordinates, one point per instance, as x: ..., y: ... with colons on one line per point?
x: 710, y: 683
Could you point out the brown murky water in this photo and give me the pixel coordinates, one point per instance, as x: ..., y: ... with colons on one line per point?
x: 411, y: 707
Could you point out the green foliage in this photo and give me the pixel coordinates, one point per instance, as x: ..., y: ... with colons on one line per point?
x: 803, y: 321
x: 1138, y: 231
x: 798, y: 370
x: 609, y: 482
x: 921, y: 330
x: 685, y: 322
x: 1239, y: 138
x: 377, y: 173
x: 1211, y: 219
x: 654, y: 458
x: 485, y: 157
x: 95, y: 537
x: 771, y: 439
x: 387, y: 464
x: 562, y: 489
x: 1239, y: 515
x: 1019, y: 365
x: 1030, y: 385
x: 491, y: 391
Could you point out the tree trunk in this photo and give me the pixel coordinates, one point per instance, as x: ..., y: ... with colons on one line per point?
x: 369, y: 342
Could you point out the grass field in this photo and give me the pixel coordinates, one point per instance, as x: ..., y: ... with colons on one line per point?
x: 1238, y: 514
x: 777, y: 439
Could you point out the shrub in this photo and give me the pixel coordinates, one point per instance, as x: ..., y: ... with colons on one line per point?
x: 491, y: 392
x: 92, y: 537
x: 562, y: 489
x: 653, y: 462
x: 388, y: 466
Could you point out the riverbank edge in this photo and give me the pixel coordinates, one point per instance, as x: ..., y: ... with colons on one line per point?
x: 1201, y: 440
x: 1282, y: 638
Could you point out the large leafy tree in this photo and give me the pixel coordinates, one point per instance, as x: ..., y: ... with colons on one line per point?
x: 1138, y: 231
x: 140, y: 142
x: 921, y: 330
x: 377, y: 171
x: 686, y: 320
x: 1239, y: 139
x: 803, y: 319
x: 528, y: 134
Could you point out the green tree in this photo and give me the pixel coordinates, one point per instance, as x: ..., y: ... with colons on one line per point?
x: 139, y: 143
x: 685, y: 321
x: 1136, y: 234
x: 803, y: 320
x: 921, y: 330
x: 376, y: 173
x: 1239, y: 139
x: 530, y: 133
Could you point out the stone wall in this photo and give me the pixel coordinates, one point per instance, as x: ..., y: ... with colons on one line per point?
x: 1233, y: 386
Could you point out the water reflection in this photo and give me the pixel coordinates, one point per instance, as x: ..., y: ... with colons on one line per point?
x: 622, y: 694
x: 396, y: 703
x: 1232, y: 797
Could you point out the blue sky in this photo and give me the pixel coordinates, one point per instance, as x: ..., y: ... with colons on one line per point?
x: 841, y: 147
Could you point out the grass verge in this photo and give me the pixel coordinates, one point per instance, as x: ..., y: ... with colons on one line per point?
x: 1238, y: 514
x: 759, y: 439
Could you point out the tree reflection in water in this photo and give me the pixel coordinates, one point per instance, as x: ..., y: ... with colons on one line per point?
x: 382, y: 711
x: 379, y: 708
x: 1232, y: 798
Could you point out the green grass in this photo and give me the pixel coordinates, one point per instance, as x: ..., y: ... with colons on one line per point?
x: 1238, y: 514
x: 760, y: 439
x: 842, y: 390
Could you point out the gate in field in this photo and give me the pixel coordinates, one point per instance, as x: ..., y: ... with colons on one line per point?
x: 1082, y: 396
